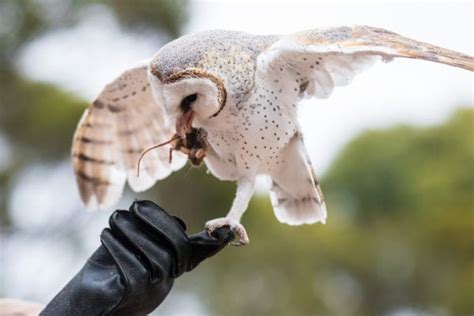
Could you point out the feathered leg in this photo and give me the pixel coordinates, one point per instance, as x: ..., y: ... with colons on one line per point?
x: 245, y: 188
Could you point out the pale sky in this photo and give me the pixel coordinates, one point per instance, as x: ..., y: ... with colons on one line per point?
x: 84, y: 58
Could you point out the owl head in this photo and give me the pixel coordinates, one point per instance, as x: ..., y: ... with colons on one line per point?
x: 196, y: 75
x: 188, y: 95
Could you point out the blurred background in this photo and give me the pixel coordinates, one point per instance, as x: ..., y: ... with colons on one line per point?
x: 394, y: 152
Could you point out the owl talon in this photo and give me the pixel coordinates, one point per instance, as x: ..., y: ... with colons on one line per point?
x: 234, y: 225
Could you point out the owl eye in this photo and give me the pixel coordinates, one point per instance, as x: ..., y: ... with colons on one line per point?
x: 187, y: 101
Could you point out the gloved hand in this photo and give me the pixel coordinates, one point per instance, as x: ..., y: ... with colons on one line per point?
x: 133, y: 270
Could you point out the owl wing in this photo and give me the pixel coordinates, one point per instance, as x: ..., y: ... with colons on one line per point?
x: 295, y: 193
x: 123, y: 120
x: 320, y: 59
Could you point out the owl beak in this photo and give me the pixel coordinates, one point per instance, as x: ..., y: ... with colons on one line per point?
x: 184, y: 123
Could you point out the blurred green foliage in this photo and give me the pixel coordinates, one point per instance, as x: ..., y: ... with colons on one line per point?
x: 169, y: 15
x: 388, y: 171
x: 38, y: 121
x: 23, y: 20
x: 39, y: 118
x: 400, y: 200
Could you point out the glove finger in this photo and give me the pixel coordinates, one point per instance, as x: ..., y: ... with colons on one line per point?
x: 152, y: 253
x: 204, y: 245
x: 131, y: 269
x: 180, y: 222
x: 162, y: 225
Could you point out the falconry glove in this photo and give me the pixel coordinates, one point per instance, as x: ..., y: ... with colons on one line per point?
x: 134, y: 269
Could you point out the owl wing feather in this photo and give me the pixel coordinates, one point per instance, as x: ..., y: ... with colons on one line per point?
x: 317, y: 61
x: 325, y: 58
x: 123, y: 120
x: 295, y: 192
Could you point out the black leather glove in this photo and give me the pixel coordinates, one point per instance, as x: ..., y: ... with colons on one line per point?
x: 133, y: 270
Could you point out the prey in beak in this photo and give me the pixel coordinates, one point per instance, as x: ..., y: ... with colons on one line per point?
x: 184, y: 123
x: 185, y: 120
x: 189, y: 140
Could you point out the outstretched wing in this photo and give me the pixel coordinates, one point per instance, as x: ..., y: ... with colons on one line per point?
x: 123, y: 121
x: 321, y: 59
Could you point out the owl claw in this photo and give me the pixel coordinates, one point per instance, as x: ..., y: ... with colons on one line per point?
x: 234, y: 225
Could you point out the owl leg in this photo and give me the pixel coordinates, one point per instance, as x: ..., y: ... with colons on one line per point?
x: 244, y: 193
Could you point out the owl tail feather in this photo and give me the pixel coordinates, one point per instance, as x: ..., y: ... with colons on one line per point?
x: 297, y: 210
x: 295, y: 193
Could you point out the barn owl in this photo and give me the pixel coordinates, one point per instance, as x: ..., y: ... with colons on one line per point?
x: 238, y: 94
